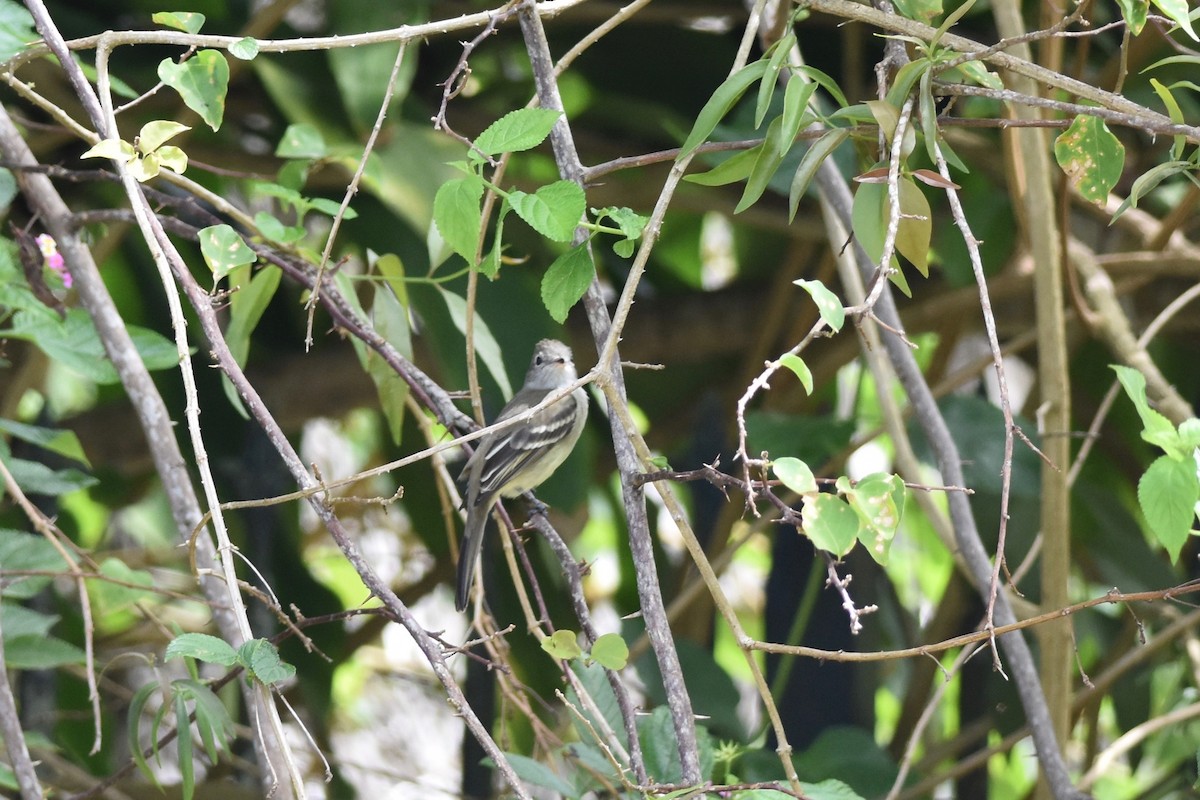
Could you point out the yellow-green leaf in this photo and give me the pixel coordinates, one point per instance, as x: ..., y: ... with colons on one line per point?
x: 1091, y: 156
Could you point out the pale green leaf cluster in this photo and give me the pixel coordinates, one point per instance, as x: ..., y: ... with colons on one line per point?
x: 1170, y: 488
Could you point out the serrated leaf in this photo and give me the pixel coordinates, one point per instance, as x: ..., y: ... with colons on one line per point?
x: 224, y: 250
x: 828, y: 305
x: 154, y: 134
x: 539, y: 774
x: 457, y: 214
x: 554, y: 210
x: 261, y: 658
x: 562, y: 645
x: 795, y: 474
x: 1091, y: 156
x: 518, y: 130
x: 1167, y: 494
x: 797, y: 365
x: 610, y: 651
x: 201, y: 647
x: 566, y: 280
x: 202, y: 81
x: 301, y: 140
x: 831, y: 523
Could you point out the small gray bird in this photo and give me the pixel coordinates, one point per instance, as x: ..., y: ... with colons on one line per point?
x: 510, y: 462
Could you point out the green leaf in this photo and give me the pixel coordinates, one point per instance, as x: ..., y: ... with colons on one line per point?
x: 16, y: 29
x: 1167, y: 494
x: 719, y: 105
x: 831, y: 523
x: 916, y: 225
x: 35, y: 477
x: 457, y: 214
x: 133, y: 727
x: 765, y: 166
x: 122, y: 587
x: 25, y: 552
x: 261, y: 658
x: 554, y: 210
x: 213, y: 722
x: 1174, y: 111
x: 40, y: 652
x: 518, y: 130
x: 61, y: 441
x: 796, y: 97
x: 828, y: 305
x: 244, y: 49
x: 154, y: 134
x: 829, y: 789
x: 777, y: 58
x: 186, y: 21
x: 796, y: 364
x: 539, y: 774
x: 813, y: 158
x: 172, y: 158
x: 566, y: 280
x: 251, y: 296
x: 1091, y: 156
x: 562, y: 645
x: 202, y: 81
x: 733, y: 169
x: 75, y: 344
x: 1179, y: 12
x: 224, y: 250
x: 610, y: 651
x: 116, y: 149
x: 22, y: 621
x: 183, y: 749
x: 1149, y: 181
x: 921, y: 10
x: 1134, y: 13
x: 301, y: 140
x: 486, y: 346
x: 879, y: 501
x: 795, y: 474
x: 389, y: 310
x: 274, y: 230
x: 201, y: 647
x: 1156, y: 428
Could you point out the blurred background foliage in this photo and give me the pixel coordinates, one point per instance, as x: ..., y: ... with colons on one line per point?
x: 715, y: 303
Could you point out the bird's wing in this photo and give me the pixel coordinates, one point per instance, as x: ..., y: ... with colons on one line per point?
x: 512, y: 452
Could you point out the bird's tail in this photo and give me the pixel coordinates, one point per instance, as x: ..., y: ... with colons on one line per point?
x: 472, y: 544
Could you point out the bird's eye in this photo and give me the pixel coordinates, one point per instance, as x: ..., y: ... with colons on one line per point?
x: 538, y: 360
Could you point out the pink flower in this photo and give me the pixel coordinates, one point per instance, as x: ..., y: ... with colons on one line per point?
x: 54, y: 259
